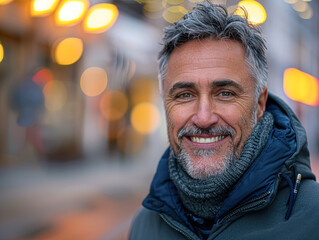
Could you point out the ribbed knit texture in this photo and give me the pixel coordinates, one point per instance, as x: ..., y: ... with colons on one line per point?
x: 204, y: 197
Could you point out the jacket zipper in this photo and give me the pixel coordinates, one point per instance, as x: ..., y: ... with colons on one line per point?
x: 242, y: 208
x: 172, y: 225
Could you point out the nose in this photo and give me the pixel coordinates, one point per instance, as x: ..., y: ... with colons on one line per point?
x: 205, y: 115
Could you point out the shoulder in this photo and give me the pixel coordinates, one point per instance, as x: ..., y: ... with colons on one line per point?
x: 149, y: 225
x: 145, y: 224
x: 308, y: 195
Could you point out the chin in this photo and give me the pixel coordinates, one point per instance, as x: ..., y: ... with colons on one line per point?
x: 201, y: 164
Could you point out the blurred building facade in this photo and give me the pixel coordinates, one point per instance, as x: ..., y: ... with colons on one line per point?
x: 49, y: 114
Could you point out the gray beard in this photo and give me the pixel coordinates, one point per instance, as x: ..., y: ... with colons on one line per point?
x: 212, y: 168
x: 207, y: 170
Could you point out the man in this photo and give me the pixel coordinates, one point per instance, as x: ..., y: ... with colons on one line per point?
x: 238, y: 164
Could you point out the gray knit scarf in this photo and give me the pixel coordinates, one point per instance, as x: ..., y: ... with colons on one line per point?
x: 204, y: 197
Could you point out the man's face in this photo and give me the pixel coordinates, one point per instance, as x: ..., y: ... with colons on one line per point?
x: 210, y: 104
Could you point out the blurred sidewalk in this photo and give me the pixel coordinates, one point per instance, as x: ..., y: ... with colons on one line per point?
x: 75, y: 201
x: 83, y: 201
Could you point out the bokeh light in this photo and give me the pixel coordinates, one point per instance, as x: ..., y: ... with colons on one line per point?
x: 93, y: 81
x: 3, y: 2
x: 1, y: 52
x: 68, y: 51
x: 255, y: 11
x: 43, y: 76
x: 55, y: 95
x: 100, y: 17
x: 306, y: 14
x: 153, y: 9
x: 300, y: 6
x: 301, y: 87
x: 142, y: 90
x: 175, y: 2
x: 145, y: 118
x: 43, y: 7
x: 174, y: 13
x: 71, y: 12
x: 113, y: 105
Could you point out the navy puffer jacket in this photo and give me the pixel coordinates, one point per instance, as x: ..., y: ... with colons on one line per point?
x: 262, y: 205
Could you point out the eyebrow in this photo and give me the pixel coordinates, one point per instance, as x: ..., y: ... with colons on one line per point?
x: 181, y: 85
x: 217, y: 83
x: 226, y: 82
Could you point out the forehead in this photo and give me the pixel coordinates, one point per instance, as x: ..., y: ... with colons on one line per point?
x: 208, y: 58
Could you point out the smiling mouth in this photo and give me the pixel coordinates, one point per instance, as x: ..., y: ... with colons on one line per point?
x: 206, y: 139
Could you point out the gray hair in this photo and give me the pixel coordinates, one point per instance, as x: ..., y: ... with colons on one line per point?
x: 210, y: 20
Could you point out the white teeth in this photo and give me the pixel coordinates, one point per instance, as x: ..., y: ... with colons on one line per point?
x: 206, y: 140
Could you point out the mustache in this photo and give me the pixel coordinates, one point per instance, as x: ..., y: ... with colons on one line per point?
x: 194, y: 130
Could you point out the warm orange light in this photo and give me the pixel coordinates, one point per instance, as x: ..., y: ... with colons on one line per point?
x: 256, y: 12
x: 55, y: 95
x: 100, y: 17
x: 93, y: 81
x: 43, y: 7
x: 175, y: 2
x: 113, y: 105
x: 174, y: 13
x: 68, y: 51
x: 145, y: 118
x: 1, y: 52
x: 142, y: 90
x: 301, y: 87
x: 71, y: 12
x: 3, y: 2
x: 43, y: 76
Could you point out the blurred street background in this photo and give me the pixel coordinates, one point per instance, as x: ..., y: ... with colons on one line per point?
x: 82, y: 125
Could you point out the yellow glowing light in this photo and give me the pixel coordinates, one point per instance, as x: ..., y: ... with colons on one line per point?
x: 174, y: 2
x: 174, y: 13
x: 100, y: 17
x: 43, y: 76
x: 1, y: 52
x: 154, y: 9
x: 43, y: 7
x: 68, y: 51
x: 113, y: 105
x: 300, y: 6
x: 145, y: 118
x: 306, y: 14
x: 154, y: 6
x: 93, y: 81
x: 255, y: 11
x: 3, y: 2
x: 142, y: 90
x: 55, y: 94
x: 301, y: 87
x: 71, y: 11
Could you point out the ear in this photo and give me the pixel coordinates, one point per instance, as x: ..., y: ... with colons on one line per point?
x: 262, y: 103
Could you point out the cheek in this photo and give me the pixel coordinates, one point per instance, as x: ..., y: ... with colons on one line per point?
x: 176, y: 119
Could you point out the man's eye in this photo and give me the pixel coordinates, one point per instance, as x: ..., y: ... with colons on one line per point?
x: 226, y: 94
x: 185, y: 96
